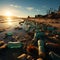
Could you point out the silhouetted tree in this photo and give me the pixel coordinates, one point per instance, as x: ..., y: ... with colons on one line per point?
x: 49, y: 11
x: 28, y: 16
x: 59, y: 8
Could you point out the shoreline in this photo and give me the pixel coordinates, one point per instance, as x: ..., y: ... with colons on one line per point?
x: 53, y: 22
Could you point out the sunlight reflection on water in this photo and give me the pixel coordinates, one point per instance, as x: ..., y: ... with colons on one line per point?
x: 9, y: 22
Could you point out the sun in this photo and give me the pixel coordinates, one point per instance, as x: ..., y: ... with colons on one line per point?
x: 8, y: 13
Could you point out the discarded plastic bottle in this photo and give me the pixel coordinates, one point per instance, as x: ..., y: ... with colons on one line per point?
x: 41, y: 49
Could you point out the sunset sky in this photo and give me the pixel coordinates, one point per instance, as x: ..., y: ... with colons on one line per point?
x: 24, y: 8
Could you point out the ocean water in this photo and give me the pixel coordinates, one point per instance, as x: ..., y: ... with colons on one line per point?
x: 8, y: 25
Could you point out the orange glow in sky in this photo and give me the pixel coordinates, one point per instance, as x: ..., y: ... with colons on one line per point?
x: 8, y: 13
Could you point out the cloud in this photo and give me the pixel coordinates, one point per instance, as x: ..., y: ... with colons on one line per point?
x: 16, y: 6
x: 29, y: 8
x: 38, y: 10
